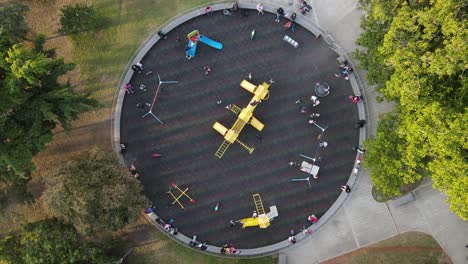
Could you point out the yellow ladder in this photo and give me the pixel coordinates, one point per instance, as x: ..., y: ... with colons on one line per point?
x: 258, y: 204
x: 235, y: 109
x: 224, y: 146
x: 249, y: 149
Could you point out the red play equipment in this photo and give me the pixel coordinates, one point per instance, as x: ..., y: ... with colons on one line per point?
x: 182, y: 193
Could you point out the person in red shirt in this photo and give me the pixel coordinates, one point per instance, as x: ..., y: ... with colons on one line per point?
x: 312, y: 218
x: 208, y: 11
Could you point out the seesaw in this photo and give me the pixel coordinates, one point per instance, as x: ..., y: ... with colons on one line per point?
x: 183, y: 193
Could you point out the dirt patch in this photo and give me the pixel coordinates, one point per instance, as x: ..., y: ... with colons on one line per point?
x: 44, y: 15
x: 91, y: 129
x: 17, y: 214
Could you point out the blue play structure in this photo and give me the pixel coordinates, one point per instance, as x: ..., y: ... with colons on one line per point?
x: 194, y: 37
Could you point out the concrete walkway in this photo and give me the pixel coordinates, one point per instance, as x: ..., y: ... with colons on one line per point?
x: 362, y: 221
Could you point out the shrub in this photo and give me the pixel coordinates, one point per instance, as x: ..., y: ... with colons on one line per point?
x: 79, y: 18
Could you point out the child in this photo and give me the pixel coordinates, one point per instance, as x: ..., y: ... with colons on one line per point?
x: 360, y: 123
x: 209, y: 11
x: 279, y: 13
x: 293, y: 164
x: 346, y: 71
x: 207, y: 70
x: 323, y: 144
x: 312, y: 218
x: 345, y: 188
x: 260, y: 8
x: 314, y: 100
x: 123, y: 148
x: 136, y: 68
x: 306, y: 231
x: 292, y: 239
x: 162, y: 35
x: 134, y: 171
x: 129, y: 88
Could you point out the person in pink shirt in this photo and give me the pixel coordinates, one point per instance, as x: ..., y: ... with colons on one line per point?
x: 312, y: 218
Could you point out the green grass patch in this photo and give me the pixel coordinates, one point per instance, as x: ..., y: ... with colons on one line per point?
x: 167, y: 251
x: 409, y: 239
x: 103, y: 55
x: 400, y: 258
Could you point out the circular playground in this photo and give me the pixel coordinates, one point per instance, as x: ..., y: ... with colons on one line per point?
x: 263, y: 152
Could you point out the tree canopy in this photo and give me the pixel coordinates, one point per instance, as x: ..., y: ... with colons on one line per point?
x: 13, y: 27
x: 33, y: 101
x: 48, y: 241
x: 94, y: 193
x: 417, y: 55
x: 79, y: 18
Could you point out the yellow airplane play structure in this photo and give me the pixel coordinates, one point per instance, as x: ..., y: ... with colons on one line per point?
x: 262, y: 220
x: 245, y: 116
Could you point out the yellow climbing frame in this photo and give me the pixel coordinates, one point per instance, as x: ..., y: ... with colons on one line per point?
x: 244, y: 116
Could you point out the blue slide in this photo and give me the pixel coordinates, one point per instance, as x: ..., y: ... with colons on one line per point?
x: 191, y: 50
x: 210, y: 42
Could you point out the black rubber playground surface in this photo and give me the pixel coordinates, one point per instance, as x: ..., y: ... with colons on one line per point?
x: 188, y: 142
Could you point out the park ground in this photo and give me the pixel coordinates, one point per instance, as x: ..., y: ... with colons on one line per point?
x: 100, y: 59
x: 126, y: 28
x: 410, y: 248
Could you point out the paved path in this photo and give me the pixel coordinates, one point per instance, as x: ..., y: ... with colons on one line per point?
x: 362, y: 221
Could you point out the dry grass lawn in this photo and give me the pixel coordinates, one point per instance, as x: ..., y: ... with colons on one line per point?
x: 406, y: 248
x: 165, y: 251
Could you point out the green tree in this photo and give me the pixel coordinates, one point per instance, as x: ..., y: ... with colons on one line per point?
x: 48, y: 241
x: 10, y: 250
x: 445, y: 139
x: 32, y: 104
x: 383, y: 156
x: 79, y: 18
x: 13, y: 27
x: 426, y: 49
x: 416, y: 54
x: 94, y: 193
